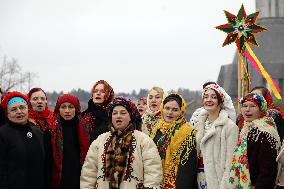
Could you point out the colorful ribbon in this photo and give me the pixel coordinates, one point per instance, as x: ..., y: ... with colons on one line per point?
x: 258, y: 66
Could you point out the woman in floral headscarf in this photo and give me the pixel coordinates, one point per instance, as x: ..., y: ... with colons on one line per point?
x: 253, y: 163
x: 273, y: 111
x: 153, y: 114
x: 123, y: 158
x: 216, y: 137
x: 39, y: 113
x: 95, y: 118
x: 176, y: 144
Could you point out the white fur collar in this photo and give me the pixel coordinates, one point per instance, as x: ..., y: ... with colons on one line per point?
x: 201, y: 137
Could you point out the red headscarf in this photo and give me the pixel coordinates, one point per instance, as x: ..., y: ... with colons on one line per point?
x: 269, y: 99
x: 57, y: 139
x: 109, y: 93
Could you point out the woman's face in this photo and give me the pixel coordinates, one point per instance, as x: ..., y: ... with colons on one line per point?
x: 67, y: 111
x: 38, y: 101
x: 250, y: 111
x: 171, y: 111
x: 210, y: 101
x: 141, y: 106
x: 120, y: 117
x: 18, y: 113
x: 155, y: 100
x: 99, y: 94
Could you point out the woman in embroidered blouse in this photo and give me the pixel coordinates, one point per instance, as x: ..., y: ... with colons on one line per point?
x: 175, y: 140
x: 152, y: 114
x: 123, y: 158
x: 253, y: 163
x: 216, y: 137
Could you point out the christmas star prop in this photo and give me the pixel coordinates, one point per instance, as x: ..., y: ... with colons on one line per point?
x: 241, y: 28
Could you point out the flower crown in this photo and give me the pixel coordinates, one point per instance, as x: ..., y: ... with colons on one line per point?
x: 258, y: 99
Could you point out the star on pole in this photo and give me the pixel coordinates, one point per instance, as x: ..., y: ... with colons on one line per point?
x: 240, y: 28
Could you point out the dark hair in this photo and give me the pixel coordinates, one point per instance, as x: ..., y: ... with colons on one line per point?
x: 128, y: 104
x: 261, y: 88
x: 219, y: 98
x: 1, y: 91
x: 174, y: 97
x: 36, y: 89
x: 208, y: 83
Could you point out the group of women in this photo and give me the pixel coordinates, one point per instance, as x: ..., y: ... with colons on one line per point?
x: 115, y: 144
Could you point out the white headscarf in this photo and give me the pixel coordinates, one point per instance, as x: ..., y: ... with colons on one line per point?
x: 227, y: 101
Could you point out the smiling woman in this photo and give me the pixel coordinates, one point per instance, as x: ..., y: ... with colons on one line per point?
x: 216, y: 137
x: 175, y: 140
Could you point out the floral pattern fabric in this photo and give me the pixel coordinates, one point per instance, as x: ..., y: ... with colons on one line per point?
x: 239, y: 173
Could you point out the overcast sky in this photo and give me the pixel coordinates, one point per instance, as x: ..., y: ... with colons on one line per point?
x: 132, y: 44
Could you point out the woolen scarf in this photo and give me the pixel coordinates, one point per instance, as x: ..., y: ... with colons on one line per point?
x: 117, y: 155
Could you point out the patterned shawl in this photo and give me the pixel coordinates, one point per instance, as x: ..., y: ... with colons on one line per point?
x: 41, y: 120
x: 239, y: 174
x: 57, y: 148
x: 178, y: 137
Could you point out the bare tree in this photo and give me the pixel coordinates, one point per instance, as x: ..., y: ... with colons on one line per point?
x: 13, y: 78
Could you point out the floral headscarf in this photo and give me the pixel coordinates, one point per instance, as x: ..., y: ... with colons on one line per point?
x: 256, y: 99
x: 130, y: 107
x: 109, y: 93
x: 226, y: 99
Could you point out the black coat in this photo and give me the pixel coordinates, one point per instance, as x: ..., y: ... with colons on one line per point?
x: 99, y: 120
x: 2, y: 116
x: 262, y: 159
x: 21, y: 157
x: 275, y: 114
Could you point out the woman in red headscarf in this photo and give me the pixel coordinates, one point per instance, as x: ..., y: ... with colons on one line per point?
x: 95, y: 118
x: 39, y: 113
x: 66, y: 140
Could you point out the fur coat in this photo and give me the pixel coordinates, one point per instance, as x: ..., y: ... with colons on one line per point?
x: 216, y: 147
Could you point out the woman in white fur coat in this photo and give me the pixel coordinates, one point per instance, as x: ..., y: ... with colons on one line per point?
x: 216, y: 138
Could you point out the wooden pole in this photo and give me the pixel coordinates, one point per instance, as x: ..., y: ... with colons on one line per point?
x: 239, y: 82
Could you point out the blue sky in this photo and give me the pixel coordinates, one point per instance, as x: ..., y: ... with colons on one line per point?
x: 132, y: 44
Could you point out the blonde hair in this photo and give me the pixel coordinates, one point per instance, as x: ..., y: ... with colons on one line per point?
x: 158, y: 89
